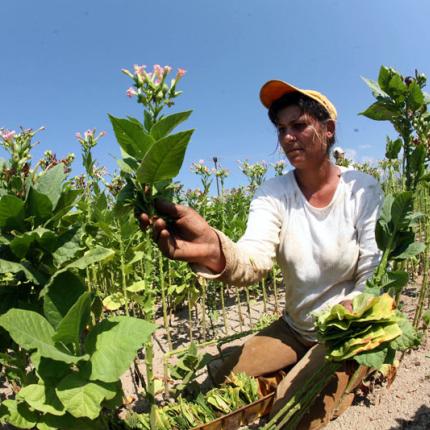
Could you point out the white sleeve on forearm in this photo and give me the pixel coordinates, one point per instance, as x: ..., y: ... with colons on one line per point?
x: 250, y: 259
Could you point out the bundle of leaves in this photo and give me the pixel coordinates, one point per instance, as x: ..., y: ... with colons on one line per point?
x: 370, y: 333
x: 239, y: 390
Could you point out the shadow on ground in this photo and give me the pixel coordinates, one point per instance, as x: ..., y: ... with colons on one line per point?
x: 420, y: 421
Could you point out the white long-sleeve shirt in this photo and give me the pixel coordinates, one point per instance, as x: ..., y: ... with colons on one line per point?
x: 325, y: 254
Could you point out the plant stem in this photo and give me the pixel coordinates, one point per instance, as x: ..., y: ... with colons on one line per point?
x: 163, y: 300
x: 303, y: 398
x: 123, y: 275
x: 190, y: 317
x: 275, y: 289
x: 239, y: 310
x: 224, y: 312
x: 248, y: 305
x: 263, y: 285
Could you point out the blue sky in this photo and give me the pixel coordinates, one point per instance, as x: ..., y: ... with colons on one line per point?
x: 61, y: 62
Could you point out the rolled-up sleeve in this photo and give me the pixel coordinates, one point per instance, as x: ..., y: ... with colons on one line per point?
x: 251, y: 258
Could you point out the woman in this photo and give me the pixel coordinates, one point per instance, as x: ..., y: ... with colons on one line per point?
x: 317, y: 222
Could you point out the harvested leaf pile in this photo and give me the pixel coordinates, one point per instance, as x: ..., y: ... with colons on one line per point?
x: 370, y: 333
x: 238, y: 391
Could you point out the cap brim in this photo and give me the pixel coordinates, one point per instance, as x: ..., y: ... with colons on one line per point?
x: 273, y: 90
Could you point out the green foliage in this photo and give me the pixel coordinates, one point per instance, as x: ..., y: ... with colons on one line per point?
x: 74, y: 372
x: 151, y: 155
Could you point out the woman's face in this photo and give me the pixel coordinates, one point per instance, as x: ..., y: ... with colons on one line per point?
x: 303, y: 138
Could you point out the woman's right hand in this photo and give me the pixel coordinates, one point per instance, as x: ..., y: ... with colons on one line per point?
x: 188, y: 238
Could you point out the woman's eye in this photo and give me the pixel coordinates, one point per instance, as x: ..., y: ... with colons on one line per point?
x: 299, y: 125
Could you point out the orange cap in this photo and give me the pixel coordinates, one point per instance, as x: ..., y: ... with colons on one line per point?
x: 273, y: 90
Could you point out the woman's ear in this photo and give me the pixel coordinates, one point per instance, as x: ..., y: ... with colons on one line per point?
x: 330, y: 128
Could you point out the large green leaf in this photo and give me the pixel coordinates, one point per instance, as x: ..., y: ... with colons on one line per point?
x: 113, y: 344
x: 69, y: 244
x: 64, y: 205
x: 71, y: 326
x: 376, y: 358
x: 61, y: 295
x: 164, y: 159
x: 379, y: 111
x: 397, y: 88
x: 415, y: 97
x: 376, y: 89
x: 384, y: 77
x: 409, y: 337
x: 131, y: 136
x: 165, y: 125
x: 19, y: 414
x: 402, y: 206
x: 21, y: 244
x: 31, y: 331
x: 49, y: 371
x: 393, y: 148
x: 11, y: 212
x: 42, y: 398
x: 67, y: 421
x: 97, y: 254
x: 394, y: 281
x: 412, y: 250
x: 38, y: 206
x: 12, y: 267
x: 82, y: 398
x: 50, y: 183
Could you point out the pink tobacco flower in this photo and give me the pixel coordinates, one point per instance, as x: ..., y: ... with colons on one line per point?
x: 131, y: 92
x: 7, y: 134
x: 139, y: 70
x: 78, y: 135
x: 158, y: 70
x: 181, y: 72
x: 89, y: 133
x: 167, y: 69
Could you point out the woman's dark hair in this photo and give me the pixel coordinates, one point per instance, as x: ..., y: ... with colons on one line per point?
x: 305, y: 104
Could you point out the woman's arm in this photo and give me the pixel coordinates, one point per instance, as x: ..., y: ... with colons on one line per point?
x: 252, y: 257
